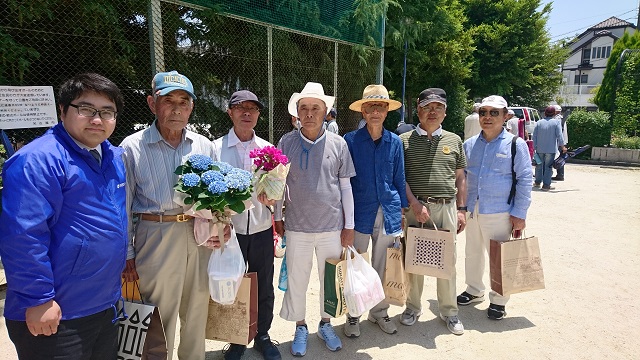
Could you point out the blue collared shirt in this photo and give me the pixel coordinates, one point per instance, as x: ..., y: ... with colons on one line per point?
x: 547, y: 136
x: 489, y: 175
x: 379, y: 180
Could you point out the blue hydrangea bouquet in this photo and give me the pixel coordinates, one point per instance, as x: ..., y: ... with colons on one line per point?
x: 215, y: 190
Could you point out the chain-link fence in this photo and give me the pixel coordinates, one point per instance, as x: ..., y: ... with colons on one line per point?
x: 45, y: 42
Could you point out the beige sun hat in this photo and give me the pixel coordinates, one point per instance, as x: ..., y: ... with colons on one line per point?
x: 311, y: 90
x: 375, y: 93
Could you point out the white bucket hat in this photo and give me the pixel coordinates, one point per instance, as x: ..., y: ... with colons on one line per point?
x: 311, y: 90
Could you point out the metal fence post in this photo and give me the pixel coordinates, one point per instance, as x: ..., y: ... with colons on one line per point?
x: 155, y: 37
x: 270, y: 79
x: 335, y: 73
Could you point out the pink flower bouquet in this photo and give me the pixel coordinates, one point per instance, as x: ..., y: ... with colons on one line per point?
x: 271, y: 167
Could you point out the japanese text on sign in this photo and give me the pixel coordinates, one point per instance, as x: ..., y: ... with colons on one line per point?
x: 27, y: 107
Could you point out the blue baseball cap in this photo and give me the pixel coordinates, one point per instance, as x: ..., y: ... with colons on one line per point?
x: 166, y: 82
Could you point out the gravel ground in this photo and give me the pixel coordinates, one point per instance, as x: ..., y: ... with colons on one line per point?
x: 588, y: 229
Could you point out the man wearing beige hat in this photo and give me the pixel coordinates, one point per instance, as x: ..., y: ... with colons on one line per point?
x: 319, y: 209
x: 436, y: 190
x: 378, y: 191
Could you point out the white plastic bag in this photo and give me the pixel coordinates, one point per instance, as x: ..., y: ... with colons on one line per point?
x: 226, y: 268
x: 362, y: 287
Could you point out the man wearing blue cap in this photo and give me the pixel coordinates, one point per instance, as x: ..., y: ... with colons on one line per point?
x: 254, y: 226
x: 171, y: 267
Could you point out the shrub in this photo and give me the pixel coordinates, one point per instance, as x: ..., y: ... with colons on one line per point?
x: 626, y: 142
x: 588, y: 128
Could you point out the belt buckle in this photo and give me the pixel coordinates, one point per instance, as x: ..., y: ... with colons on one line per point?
x: 182, y: 218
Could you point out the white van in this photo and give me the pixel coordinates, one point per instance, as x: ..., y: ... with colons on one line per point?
x: 530, y: 116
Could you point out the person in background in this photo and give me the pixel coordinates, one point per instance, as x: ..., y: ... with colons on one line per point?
x: 319, y: 209
x: 436, y: 190
x: 254, y: 226
x: 163, y: 252
x: 379, y: 191
x: 565, y: 137
x: 493, y: 214
x: 63, y: 230
x: 512, y: 122
x: 332, y: 124
x: 547, y: 137
x: 403, y: 128
x: 471, y: 123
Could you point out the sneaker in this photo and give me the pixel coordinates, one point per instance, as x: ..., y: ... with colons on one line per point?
x: 409, y: 317
x: 267, y: 348
x: 536, y: 184
x: 465, y: 298
x: 299, y: 344
x: 233, y: 351
x: 547, y: 188
x: 352, y: 327
x: 496, y: 312
x: 328, y: 335
x: 453, y: 324
x: 384, y: 322
x: 556, y: 178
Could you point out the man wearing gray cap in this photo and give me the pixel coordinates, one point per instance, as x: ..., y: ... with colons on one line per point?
x: 436, y: 190
x: 254, y: 226
x: 171, y: 267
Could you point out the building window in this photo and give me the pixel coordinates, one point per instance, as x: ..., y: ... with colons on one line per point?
x: 599, y: 53
x: 581, y: 79
x: 608, y: 51
x: 602, y: 52
x: 593, y: 53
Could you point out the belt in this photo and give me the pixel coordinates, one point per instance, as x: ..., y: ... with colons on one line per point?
x: 434, y: 200
x: 165, y: 218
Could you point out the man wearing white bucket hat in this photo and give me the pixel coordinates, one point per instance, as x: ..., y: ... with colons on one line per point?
x: 378, y: 191
x: 319, y: 208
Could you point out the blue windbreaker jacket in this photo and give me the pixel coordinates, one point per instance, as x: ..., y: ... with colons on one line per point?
x: 63, y: 227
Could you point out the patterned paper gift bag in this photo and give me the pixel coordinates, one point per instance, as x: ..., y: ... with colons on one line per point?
x: 430, y: 252
x: 515, y: 266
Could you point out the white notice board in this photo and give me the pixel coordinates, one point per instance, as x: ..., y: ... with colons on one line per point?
x: 27, y: 107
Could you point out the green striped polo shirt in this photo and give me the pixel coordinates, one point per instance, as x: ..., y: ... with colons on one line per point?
x: 430, y: 165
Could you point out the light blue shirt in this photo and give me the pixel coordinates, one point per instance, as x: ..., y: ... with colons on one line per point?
x: 547, y: 136
x: 489, y: 175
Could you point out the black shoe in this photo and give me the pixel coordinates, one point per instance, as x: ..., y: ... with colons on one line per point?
x: 233, y: 351
x: 465, y: 298
x: 496, y: 312
x: 267, y: 348
x: 555, y: 178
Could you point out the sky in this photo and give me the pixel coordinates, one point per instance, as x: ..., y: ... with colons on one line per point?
x: 571, y: 17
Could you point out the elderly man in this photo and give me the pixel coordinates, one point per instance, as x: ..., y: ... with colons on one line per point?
x: 253, y: 227
x: 511, y: 122
x: 63, y: 230
x: 547, y: 137
x: 494, y: 211
x: 471, y: 123
x: 378, y: 191
x: 319, y: 209
x: 171, y: 267
x: 436, y: 190
x: 565, y: 137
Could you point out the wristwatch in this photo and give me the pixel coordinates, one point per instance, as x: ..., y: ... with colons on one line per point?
x: 462, y: 208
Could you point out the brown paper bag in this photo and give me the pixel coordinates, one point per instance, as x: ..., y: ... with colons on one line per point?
x: 236, y: 323
x: 395, y: 284
x: 141, y: 335
x: 515, y: 266
x: 430, y: 252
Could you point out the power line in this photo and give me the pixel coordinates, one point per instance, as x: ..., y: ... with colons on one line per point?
x: 561, y: 36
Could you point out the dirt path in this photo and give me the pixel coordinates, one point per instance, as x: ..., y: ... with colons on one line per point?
x: 589, y: 230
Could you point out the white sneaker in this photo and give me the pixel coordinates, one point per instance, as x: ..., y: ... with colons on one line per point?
x: 453, y: 324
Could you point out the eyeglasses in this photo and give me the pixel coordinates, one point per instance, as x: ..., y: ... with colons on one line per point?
x: 493, y: 112
x: 370, y: 108
x: 249, y: 109
x: 88, y: 111
x: 436, y: 108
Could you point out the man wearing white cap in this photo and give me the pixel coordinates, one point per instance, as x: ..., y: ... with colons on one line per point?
x: 164, y: 253
x: 436, y: 190
x: 512, y: 122
x: 471, y: 124
x: 493, y: 171
x: 378, y: 191
x: 319, y: 208
x: 563, y: 123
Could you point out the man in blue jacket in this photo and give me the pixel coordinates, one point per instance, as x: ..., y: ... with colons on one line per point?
x: 63, y: 230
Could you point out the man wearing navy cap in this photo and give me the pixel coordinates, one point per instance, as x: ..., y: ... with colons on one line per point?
x: 254, y: 226
x: 164, y: 255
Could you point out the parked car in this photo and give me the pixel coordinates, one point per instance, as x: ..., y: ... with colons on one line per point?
x: 530, y: 116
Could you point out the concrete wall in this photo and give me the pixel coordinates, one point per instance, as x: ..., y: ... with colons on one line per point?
x: 614, y: 154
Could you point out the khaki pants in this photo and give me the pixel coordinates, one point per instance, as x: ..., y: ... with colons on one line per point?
x: 173, y: 276
x: 445, y: 217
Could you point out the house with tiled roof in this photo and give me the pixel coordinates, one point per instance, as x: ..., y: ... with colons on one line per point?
x: 589, y: 54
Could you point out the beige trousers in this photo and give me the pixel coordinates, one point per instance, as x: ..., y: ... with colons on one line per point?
x: 173, y: 276
x: 445, y: 217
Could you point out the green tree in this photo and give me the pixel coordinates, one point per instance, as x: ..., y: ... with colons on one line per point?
x: 626, y: 118
x: 513, y: 56
x: 439, y: 54
x: 605, y: 96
